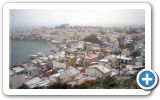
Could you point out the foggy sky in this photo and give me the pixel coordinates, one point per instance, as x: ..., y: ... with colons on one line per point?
x: 34, y: 18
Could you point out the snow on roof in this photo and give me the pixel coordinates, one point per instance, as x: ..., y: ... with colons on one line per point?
x: 102, y: 68
x: 78, y: 60
x: 104, y: 60
x: 131, y: 72
x: 55, y: 75
x: 50, y: 56
x: 72, y: 71
x: 18, y: 69
x: 137, y: 67
x: 113, y: 73
x: 80, y: 68
x: 43, y: 83
x: 81, y: 78
x: 33, y: 81
x: 42, y: 64
x: 44, y: 58
x: 123, y: 57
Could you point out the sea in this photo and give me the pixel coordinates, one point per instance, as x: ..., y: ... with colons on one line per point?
x: 20, y: 50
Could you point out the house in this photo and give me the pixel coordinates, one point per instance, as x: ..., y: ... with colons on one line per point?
x: 100, y: 54
x: 113, y: 73
x: 112, y: 59
x: 124, y: 59
x: 43, y: 84
x: 81, y: 45
x: 98, y: 71
x: 70, y: 60
x: 44, y: 58
x: 126, y: 52
x: 41, y: 66
x: 54, y: 77
x: 104, y: 60
x: 140, y: 59
x: 50, y: 57
x: 59, y: 65
x: 79, y: 61
x: 34, y: 82
x: 138, y: 66
x: 81, y: 78
x: 68, y: 74
x: 18, y: 70
x: 90, y: 58
x: 40, y: 54
x: 30, y: 70
x: 60, y: 55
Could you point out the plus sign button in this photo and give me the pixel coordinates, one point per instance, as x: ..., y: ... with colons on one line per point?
x: 147, y: 79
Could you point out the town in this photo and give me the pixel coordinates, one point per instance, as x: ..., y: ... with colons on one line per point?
x: 88, y: 57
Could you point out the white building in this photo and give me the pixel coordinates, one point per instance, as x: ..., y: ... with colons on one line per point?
x: 98, y: 71
x: 18, y: 70
x: 124, y: 59
x: 58, y: 65
x: 81, y: 45
x: 34, y: 82
x: 68, y: 74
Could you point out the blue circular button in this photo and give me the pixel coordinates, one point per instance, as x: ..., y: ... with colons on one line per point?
x: 147, y: 79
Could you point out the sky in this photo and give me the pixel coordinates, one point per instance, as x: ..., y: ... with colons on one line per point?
x: 41, y: 17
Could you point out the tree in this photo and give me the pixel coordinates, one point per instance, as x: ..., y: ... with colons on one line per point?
x: 135, y: 54
x: 109, y: 83
x: 93, y: 38
x: 58, y: 85
x: 130, y: 83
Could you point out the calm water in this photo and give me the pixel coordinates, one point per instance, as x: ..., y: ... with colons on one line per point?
x: 21, y: 49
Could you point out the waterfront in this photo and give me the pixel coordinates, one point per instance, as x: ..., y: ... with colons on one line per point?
x: 21, y: 49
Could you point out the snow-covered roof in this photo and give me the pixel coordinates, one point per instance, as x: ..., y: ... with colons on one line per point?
x: 72, y: 71
x: 50, y: 56
x: 34, y: 81
x: 113, y: 73
x: 43, y: 64
x: 43, y: 83
x: 137, y: 67
x: 123, y: 57
x: 81, y: 78
x: 104, y: 60
x: 18, y: 69
x: 44, y: 58
x: 55, y: 75
x: 102, y: 68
